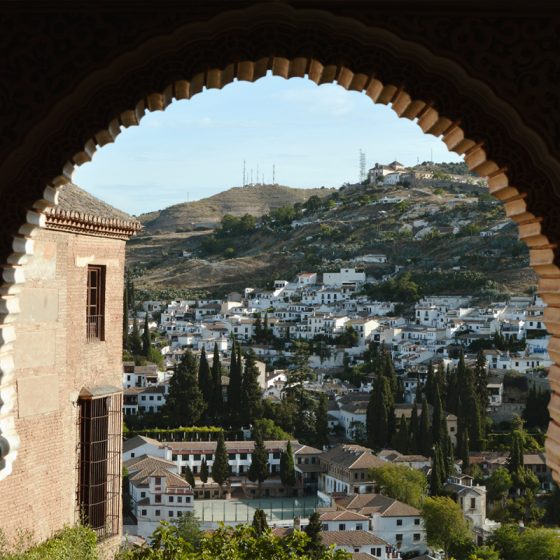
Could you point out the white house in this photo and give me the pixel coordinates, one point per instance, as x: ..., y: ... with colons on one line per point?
x: 360, y: 542
x: 343, y: 520
x: 158, y: 493
x: 344, y: 276
x: 395, y: 522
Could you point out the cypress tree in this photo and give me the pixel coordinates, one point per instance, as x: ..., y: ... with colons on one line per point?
x: 516, y: 460
x: 146, y: 338
x: 258, y: 470
x: 378, y: 414
x: 203, y: 475
x: 463, y: 449
x: 251, y: 392
x: 205, y: 378
x: 220, y: 467
x: 399, y: 396
x: 234, y: 387
x: 189, y: 476
x: 134, y: 340
x: 217, y: 400
x: 481, y: 384
x: 287, y: 467
x: 260, y: 524
x: 424, y: 439
x: 436, y: 477
x: 185, y: 404
x: 401, y: 437
x: 452, y: 399
x: 429, y: 386
x: 322, y: 422
x: 413, y: 430
x: 314, y: 547
x: 439, y: 426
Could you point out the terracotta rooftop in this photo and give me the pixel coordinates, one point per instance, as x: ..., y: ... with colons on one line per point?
x: 343, y: 515
x: 376, y: 503
x: 79, y: 211
x: 352, y: 456
x: 350, y: 538
x: 137, y: 441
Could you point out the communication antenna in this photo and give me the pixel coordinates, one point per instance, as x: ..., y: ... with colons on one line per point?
x: 251, y: 175
x: 244, y: 176
x: 362, y: 166
x: 273, y: 174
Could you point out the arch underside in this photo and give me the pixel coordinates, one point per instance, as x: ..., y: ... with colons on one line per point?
x: 244, y: 45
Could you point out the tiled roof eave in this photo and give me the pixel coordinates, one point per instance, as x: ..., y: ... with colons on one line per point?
x: 78, y: 222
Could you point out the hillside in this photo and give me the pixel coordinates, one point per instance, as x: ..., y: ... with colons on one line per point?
x: 454, y: 233
x: 255, y: 200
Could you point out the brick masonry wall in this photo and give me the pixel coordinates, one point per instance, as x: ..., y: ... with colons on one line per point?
x: 53, y: 362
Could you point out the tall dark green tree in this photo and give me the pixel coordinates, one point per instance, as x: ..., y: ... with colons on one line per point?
x: 258, y: 328
x: 134, y: 340
x: 185, y: 404
x: 322, y: 422
x: 287, y: 467
x: 463, y: 451
x: 251, y: 392
x: 203, y: 474
x: 234, y: 387
x: 481, y: 385
x: 205, y: 378
x: 189, y: 476
x: 424, y: 435
x: 217, y: 400
x: 314, y: 547
x: 377, y: 414
x: 400, y: 440
x: 437, y: 476
x: 452, y: 400
x: 430, y: 384
x: 146, y: 338
x: 439, y: 425
x: 258, y: 470
x: 469, y: 409
x: 220, y: 467
x: 260, y: 524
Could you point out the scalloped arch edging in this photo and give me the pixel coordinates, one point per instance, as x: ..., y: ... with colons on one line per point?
x: 426, y: 116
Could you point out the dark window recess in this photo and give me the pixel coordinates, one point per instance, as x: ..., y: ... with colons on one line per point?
x: 99, y: 454
x: 95, y: 310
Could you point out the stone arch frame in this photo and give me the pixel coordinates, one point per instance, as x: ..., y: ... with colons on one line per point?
x: 244, y: 44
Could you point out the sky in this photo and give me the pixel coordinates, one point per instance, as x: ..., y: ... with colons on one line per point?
x: 195, y: 148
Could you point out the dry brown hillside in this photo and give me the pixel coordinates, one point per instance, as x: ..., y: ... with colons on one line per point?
x: 255, y: 200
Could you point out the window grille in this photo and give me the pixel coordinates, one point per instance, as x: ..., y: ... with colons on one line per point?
x: 99, y: 460
x: 95, y: 309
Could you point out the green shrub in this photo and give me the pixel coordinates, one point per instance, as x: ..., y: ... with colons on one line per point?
x: 69, y: 543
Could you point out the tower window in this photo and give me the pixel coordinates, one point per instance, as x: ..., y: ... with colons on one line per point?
x: 99, y: 452
x: 95, y: 310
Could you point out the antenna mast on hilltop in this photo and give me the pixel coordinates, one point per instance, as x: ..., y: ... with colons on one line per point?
x: 244, y: 174
x: 362, y: 166
x: 273, y: 174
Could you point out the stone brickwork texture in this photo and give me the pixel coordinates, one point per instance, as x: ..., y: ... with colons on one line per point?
x: 54, y: 362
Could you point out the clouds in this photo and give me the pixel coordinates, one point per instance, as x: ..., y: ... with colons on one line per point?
x: 328, y: 100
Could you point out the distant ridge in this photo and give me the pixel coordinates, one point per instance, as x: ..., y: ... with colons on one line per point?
x: 256, y: 200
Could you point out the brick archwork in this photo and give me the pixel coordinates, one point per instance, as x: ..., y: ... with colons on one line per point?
x: 439, y: 92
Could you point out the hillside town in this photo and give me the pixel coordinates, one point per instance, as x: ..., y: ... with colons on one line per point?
x: 329, y: 319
